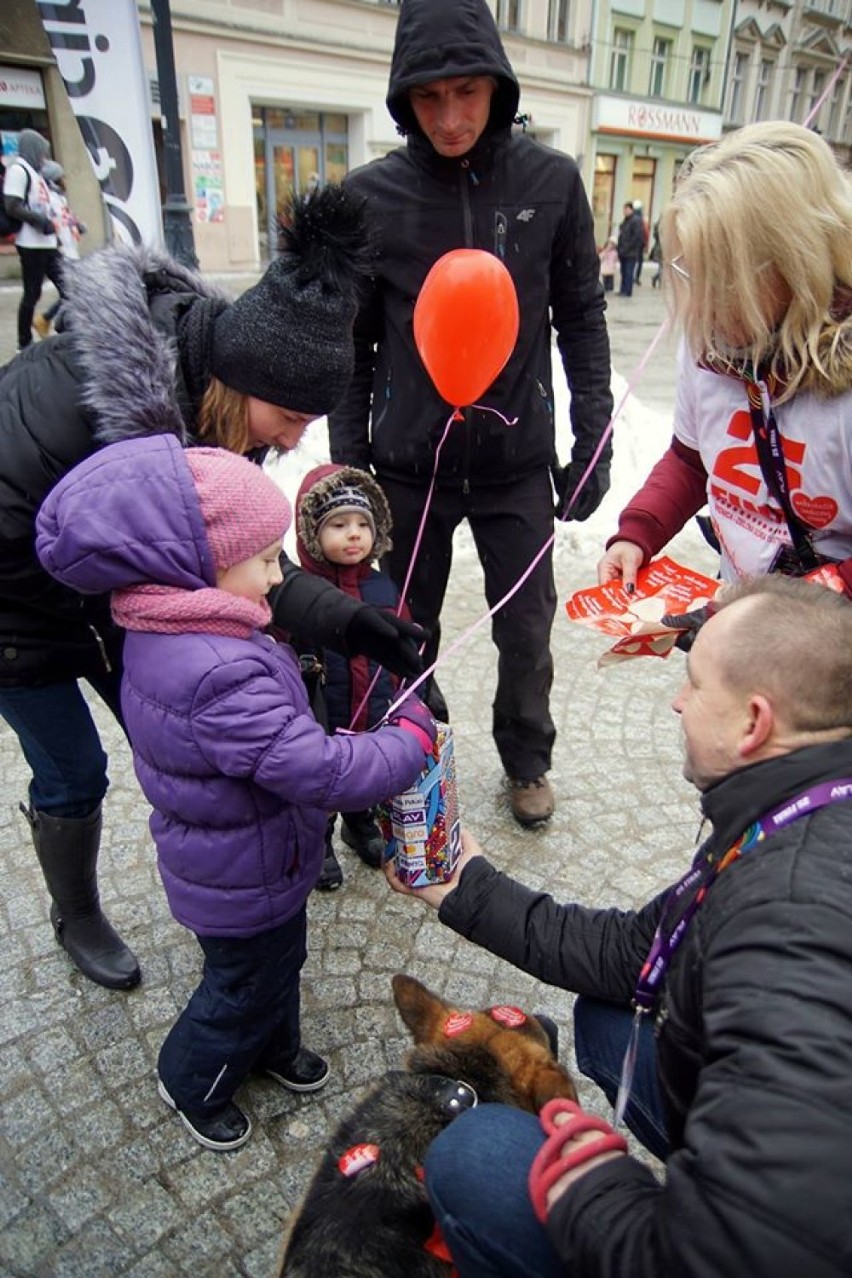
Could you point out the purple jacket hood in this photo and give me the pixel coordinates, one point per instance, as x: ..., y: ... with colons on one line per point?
x: 127, y: 515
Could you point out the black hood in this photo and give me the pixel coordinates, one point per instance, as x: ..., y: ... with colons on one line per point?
x: 436, y: 39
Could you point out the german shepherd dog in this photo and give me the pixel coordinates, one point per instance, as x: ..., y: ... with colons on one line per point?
x: 365, y: 1213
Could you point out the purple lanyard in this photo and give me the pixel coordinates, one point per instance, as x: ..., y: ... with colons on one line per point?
x: 683, y: 903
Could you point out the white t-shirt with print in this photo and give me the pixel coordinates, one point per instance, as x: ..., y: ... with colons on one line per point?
x: 36, y: 197
x: 712, y: 416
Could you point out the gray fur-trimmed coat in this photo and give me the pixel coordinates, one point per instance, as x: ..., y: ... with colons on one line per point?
x: 113, y: 373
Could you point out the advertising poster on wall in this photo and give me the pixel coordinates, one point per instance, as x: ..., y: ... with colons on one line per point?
x: 206, y: 158
x: 98, y: 51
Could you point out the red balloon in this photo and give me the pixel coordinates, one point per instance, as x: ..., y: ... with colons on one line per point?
x: 466, y: 323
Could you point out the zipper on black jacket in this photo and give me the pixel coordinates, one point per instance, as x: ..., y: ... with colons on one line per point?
x: 501, y: 227
x: 101, y: 649
x: 468, y: 175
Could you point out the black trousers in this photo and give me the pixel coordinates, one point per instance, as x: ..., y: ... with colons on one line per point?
x: 37, y: 265
x: 510, y: 523
x: 243, y: 1016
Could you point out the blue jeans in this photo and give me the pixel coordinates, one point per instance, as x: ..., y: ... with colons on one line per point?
x: 61, y: 744
x: 477, y: 1169
x: 628, y: 266
x: 601, y: 1033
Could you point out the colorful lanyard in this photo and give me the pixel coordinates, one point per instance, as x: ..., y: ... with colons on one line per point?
x: 687, y: 897
x: 770, y: 455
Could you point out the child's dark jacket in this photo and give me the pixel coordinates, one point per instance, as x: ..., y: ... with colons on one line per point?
x: 347, y: 679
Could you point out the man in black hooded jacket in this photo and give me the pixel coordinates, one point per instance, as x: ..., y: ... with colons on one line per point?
x: 464, y: 181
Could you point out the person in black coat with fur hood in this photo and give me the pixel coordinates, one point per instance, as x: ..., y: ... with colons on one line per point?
x: 464, y: 180
x: 150, y: 347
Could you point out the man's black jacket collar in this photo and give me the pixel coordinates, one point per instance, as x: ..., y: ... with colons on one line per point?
x: 740, y: 798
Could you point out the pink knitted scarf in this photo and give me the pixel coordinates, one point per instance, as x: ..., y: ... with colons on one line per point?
x: 169, y: 610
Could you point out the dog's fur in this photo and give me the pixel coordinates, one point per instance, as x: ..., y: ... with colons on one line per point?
x: 376, y: 1222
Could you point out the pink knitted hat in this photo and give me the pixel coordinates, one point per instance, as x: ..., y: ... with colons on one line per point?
x: 243, y: 509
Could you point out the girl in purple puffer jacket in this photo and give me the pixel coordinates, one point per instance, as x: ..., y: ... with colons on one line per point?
x: 240, y: 775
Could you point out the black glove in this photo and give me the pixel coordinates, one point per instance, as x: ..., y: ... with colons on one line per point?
x: 387, y: 639
x: 47, y: 227
x: 689, y: 624
x: 566, y: 479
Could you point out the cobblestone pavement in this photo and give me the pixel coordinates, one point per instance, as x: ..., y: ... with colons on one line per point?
x: 98, y: 1177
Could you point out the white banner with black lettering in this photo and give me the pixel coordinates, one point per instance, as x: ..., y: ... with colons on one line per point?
x: 98, y: 49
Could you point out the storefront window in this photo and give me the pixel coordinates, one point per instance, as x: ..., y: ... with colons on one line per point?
x: 603, y: 193
x: 295, y: 151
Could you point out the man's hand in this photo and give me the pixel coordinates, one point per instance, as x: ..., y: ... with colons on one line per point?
x: 434, y: 894
x: 576, y: 1143
x: 590, y: 495
x: 621, y: 563
x: 387, y: 639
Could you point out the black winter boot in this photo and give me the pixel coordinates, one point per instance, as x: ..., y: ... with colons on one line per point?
x: 67, y: 850
x: 331, y: 875
x: 359, y: 832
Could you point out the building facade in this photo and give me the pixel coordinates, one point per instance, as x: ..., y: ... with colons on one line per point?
x: 275, y: 95
x: 658, y: 71
x: 783, y: 63
x: 278, y: 94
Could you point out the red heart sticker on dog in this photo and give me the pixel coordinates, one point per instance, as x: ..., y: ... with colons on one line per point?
x: 511, y: 1017
x: 357, y: 1159
x: 817, y: 512
x: 457, y: 1023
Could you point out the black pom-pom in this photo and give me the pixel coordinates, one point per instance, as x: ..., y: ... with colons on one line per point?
x: 324, y: 237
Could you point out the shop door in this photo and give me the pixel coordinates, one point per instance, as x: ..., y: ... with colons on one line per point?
x: 294, y: 152
x: 287, y: 170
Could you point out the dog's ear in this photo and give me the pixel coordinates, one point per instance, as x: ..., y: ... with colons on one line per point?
x: 551, y: 1080
x: 421, y: 1010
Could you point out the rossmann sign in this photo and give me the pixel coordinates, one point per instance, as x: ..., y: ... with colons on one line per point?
x: 634, y: 118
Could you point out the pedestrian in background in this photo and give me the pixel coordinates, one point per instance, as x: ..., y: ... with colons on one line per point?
x: 238, y: 772
x: 464, y: 179
x: 609, y: 264
x: 630, y: 242
x: 640, y: 256
x: 26, y: 198
x: 68, y: 230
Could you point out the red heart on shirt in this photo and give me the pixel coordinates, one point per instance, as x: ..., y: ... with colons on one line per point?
x: 817, y: 512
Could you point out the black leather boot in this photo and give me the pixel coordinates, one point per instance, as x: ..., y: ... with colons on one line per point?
x: 331, y: 876
x: 359, y: 832
x: 67, y: 850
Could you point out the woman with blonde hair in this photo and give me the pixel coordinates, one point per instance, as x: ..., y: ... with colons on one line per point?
x: 757, y: 245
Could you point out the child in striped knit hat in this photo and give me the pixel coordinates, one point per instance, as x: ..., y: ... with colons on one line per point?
x: 343, y: 523
x: 239, y: 773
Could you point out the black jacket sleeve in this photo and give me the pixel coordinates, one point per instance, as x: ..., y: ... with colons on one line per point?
x: 311, y: 607
x: 349, y: 424
x: 574, y: 947
x: 760, y: 1184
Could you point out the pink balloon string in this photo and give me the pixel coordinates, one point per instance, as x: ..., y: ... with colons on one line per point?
x: 455, y: 416
x: 616, y: 413
x: 632, y: 383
